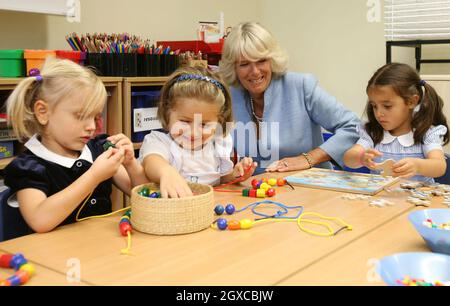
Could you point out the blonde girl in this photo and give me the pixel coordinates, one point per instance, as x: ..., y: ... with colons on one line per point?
x: 54, y: 113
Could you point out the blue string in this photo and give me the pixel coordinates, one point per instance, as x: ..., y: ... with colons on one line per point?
x: 279, y: 214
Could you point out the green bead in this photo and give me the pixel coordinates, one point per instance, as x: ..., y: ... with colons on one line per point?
x: 108, y: 145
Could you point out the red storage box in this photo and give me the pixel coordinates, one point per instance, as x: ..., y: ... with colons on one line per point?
x: 76, y: 56
x: 213, y: 50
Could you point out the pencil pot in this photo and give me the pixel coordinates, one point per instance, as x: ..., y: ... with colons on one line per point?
x: 110, y: 64
x: 172, y: 216
x: 149, y: 65
x: 36, y: 58
x: 144, y: 108
x: 12, y: 64
x: 96, y: 61
x: 169, y: 63
x: 126, y: 64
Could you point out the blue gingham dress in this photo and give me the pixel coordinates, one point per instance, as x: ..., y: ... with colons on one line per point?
x: 400, y: 147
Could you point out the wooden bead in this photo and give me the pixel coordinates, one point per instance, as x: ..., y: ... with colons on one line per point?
x: 272, y: 182
x: 281, y: 182
x: 265, y: 186
x: 234, y: 225
x: 28, y: 268
x: 271, y: 192
x: 255, y: 183
x: 261, y: 193
x: 125, y: 228
x: 246, y: 224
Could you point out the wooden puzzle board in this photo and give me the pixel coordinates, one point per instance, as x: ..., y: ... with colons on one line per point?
x: 350, y: 182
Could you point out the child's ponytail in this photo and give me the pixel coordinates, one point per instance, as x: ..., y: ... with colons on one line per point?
x: 20, y: 108
x: 432, y: 105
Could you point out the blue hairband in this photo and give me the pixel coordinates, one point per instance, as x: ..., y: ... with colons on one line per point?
x: 188, y: 77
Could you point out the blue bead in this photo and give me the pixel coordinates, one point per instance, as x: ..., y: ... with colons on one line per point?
x: 125, y: 220
x: 219, y: 210
x: 230, y: 209
x: 14, y: 280
x: 222, y: 224
x: 154, y: 195
x: 17, y: 261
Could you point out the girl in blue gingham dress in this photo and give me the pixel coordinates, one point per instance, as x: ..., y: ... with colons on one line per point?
x: 406, y: 123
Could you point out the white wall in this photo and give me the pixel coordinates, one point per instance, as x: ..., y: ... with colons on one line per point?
x: 331, y: 39
x: 157, y: 20
x: 335, y: 41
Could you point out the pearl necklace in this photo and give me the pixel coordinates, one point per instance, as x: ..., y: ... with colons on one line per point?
x: 259, y: 119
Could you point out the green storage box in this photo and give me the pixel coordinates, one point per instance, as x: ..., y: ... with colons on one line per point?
x: 12, y: 63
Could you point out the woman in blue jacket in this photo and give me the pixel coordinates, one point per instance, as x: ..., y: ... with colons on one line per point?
x: 290, y: 109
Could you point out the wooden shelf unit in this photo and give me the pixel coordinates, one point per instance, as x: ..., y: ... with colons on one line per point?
x: 128, y: 85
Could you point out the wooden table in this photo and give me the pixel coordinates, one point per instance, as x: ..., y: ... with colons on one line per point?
x: 268, y: 254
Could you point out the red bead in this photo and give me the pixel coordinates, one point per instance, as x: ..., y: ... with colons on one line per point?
x: 5, y: 260
x: 125, y: 228
x: 281, y: 182
x: 271, y: 192
x: 255, y: 183
x: 252, y: 193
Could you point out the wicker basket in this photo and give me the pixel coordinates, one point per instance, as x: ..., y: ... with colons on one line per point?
x: 172, y: 216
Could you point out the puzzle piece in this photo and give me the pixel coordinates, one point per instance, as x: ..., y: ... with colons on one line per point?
x: 381, y: 203
x: 411, y: 185
x: 355, y: 197
x: 419, y: 202
x: 385, y: 167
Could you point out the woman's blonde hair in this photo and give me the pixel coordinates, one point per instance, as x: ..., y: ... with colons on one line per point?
x: 58, y: 80
x: 253, y: 42
x: 196, y: 83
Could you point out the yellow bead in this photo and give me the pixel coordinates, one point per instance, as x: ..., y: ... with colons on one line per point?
x: 246, y: 224
x: 272, y: 182
x: 29, y: 268
x: 261, y: 193
x: 264, y: 186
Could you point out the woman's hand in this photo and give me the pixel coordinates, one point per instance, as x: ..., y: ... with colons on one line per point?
x: 107, y: 164
x: 406, y: 168
x: 245, y: 168
x: 289, y: 164
x: 122, y: 141
x: 173, y: 185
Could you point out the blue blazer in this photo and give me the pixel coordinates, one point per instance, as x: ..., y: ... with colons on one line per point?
x: 295, y: 111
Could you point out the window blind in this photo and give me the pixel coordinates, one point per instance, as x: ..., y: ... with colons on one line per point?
x: 416, y: 19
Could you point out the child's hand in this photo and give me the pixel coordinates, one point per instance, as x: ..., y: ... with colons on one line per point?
x: 367, y: 157
x: 245, y: 168
x: 405, y: 168
x: 107, y: 164
x: 173, y: 185
x: 122, y: 141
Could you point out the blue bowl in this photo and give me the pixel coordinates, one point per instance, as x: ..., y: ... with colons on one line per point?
x: 438, y: 240
x: 430, y: 267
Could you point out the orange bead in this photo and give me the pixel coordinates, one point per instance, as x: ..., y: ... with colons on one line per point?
x: 281, y: 182
x: 23, y: 276
x: 234, y: 225
x: 264, y: 180
x: 5, y: 283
